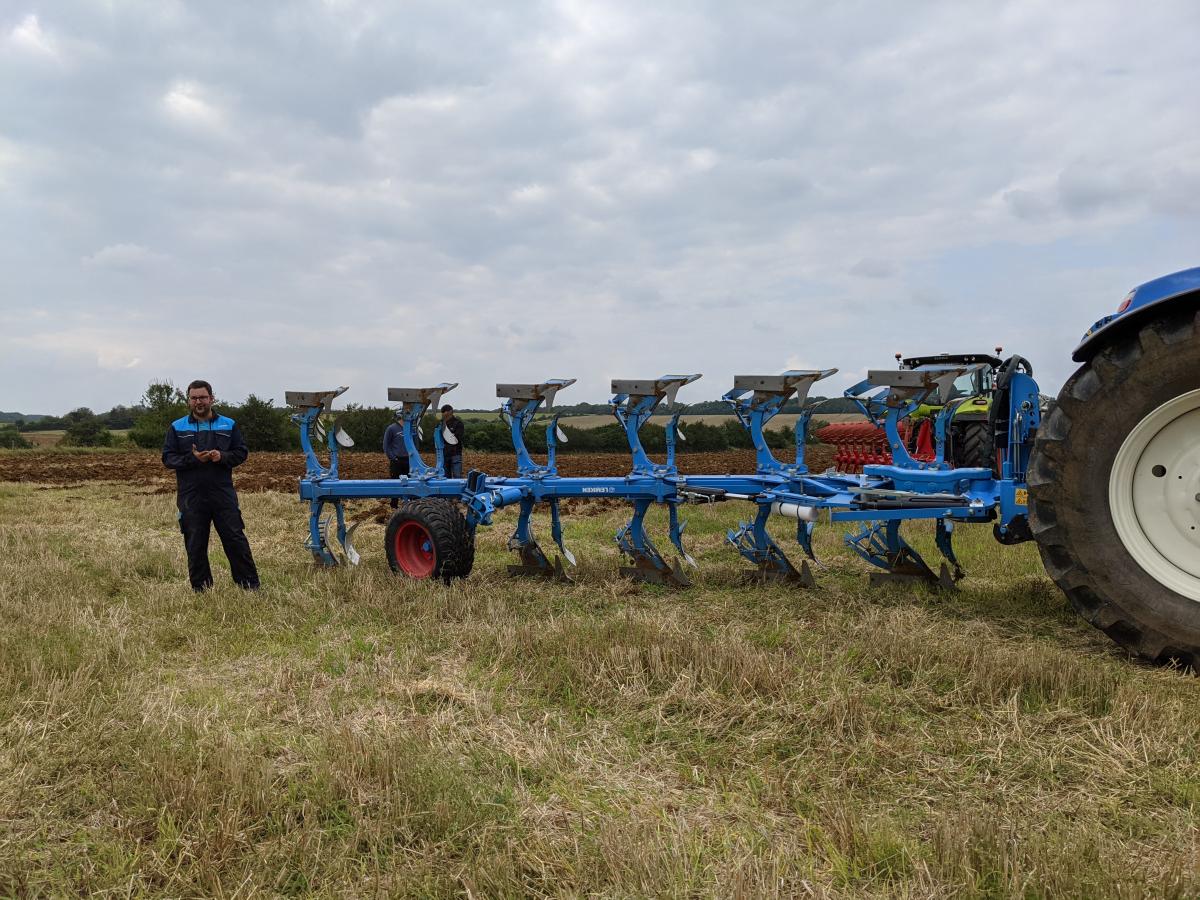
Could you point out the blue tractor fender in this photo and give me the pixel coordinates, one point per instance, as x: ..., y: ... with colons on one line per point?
x: 1151, y: 300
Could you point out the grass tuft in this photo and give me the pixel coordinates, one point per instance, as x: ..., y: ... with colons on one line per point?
x: 345, y: 732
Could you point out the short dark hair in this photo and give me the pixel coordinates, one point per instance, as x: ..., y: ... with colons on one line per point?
x: 200, y: 384
x: 447, y: 408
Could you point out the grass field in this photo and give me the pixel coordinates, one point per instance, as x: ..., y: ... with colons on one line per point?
x: 348, y: 733
x: 45, y: 439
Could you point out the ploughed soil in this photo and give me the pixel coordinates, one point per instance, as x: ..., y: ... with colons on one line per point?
x: 281, y: 471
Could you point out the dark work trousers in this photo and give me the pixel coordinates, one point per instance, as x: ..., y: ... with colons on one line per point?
x: 196, y: 516
x: 398, y: 467
x: 453, y: 465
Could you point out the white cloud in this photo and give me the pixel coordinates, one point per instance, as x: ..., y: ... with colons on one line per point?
x: 89, y: 347
x: 189, y: 104
x: 589, y: 191
x: 122, y: 256
x: 113, y: 358
x: 29, y: 37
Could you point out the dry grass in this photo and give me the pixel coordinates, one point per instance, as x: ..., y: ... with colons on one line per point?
x: 345, y: 733
x: 43, y: 439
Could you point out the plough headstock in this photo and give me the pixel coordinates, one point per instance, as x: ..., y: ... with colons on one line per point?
x: 637, y: 389
x: 313, y: 405
x: 413, y: 404
x: 756, y: 399
x: 421, y: 398
x: 783, y: 386
x: 532, y: 393
x: 920, y: 384
x: 521, y: 403
x: 313, y: 399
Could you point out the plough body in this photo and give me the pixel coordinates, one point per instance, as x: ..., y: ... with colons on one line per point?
x: 878, y: 499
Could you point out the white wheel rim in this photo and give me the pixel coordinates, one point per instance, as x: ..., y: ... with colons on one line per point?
x: 1153, y: 493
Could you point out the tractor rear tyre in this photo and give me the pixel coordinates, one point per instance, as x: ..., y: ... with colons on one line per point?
x: 973, y: 445
x: 1115, y: 490
x: 429, y: 538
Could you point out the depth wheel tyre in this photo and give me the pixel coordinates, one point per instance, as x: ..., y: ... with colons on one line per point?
x: 429, y: 538
x: 973, y: 445
x: 1114, y: 487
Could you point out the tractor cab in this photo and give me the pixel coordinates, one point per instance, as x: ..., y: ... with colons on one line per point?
x: 979, y: 383
x: 970, y: 439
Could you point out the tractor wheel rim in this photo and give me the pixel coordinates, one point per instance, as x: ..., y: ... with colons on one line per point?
x: 1154, y: 494
x: 414, y: 550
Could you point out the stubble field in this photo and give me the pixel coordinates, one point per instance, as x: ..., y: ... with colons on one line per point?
x: 346, y: 732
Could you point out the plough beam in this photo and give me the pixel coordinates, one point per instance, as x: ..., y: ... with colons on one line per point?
x: 881, y: 498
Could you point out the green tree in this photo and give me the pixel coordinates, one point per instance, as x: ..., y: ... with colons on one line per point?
x: 367, y: 425
x: 162, y: 404
x: 119, y: 417
x: 162, y: 395
x: 10, y: 439
x: 262, y: 425
x: 84, y: 429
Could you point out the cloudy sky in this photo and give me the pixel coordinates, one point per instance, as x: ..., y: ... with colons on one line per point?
x: 299, y: 195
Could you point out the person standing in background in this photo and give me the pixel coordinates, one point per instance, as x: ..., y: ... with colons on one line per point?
x: 396, y: 453
x: 452, y: 453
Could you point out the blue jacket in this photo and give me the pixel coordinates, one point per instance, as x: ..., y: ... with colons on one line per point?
x: 193, y: 476
x: 393, y: 442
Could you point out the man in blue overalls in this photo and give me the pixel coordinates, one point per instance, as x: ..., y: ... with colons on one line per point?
x: 202, y: 448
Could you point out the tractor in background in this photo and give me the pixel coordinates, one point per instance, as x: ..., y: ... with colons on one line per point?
x: 972, y: 438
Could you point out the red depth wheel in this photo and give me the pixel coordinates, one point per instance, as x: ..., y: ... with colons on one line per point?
x: 414, y: 551
x: 429, y: 538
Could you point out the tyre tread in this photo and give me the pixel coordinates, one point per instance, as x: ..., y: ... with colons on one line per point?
x: 1055, y: 518
x: 447, y: 526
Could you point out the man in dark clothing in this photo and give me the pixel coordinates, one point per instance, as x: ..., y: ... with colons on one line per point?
x: 202, y: 448
x: 452, y: 453
x: 396, y: 452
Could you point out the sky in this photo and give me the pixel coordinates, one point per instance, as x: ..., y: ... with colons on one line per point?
x: 299, y: 195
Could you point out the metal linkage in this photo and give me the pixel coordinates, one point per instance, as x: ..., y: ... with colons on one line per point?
x: 328, y: 537
x: 897, y: 393
x: 879, y: 499
x: 414, y: 403
x: 755, y: 544
x: 521, y: 403
x: 915, y: 488
x: 756, y: 399
x: 647, y: 563
x: 880, y: 544
x: 633, y: 402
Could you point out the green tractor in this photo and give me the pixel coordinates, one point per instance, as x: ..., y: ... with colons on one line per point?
x: 970, y: 436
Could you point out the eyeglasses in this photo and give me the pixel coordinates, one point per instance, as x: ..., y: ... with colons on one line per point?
x: 197, y: 399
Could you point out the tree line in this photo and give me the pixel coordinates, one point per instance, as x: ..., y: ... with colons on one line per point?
x: 267, y: 427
